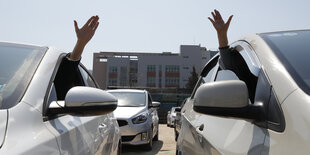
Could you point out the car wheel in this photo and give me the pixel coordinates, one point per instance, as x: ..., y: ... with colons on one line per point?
x: 176, y: 135
x: 156, y: 136
x: 119, y: 148
x: 150, y: 144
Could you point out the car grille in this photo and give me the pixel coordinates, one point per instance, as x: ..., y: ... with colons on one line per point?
x: 127, y: 138
x: 122, y: 123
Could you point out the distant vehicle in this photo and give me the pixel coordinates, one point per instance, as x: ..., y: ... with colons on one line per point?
x: 137, y: 117
x: 168, y: 118
x: 172, y: 117
x: 178, y: 120
x: 33, y: 120
x: 219, y: 117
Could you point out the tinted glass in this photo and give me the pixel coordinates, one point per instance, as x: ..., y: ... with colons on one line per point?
x: 293, y: 50
x: 130, y: 99
x: 87, y: 79
x: 17, y: 66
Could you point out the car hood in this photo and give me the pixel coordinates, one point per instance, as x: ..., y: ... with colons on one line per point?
x: 127, y: 112
x: 3, y: 125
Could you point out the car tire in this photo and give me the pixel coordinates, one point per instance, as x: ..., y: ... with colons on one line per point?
x: 119, y: 151
x: 156, y: 136
x: 149, y: 146
x: 176, y: 135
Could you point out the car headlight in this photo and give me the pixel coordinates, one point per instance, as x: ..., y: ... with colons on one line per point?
x: 139, y: 119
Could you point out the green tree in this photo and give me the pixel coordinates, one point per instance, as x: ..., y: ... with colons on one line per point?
x: 192, y: 80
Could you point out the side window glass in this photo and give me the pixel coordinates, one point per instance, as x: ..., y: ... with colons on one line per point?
x: 86, y: 77
x: 52, y: 95
x: 207, y: 78
x: 223, y: 75
x: 149, y: 99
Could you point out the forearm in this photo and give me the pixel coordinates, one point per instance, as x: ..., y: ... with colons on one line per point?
x: 222, y: 39
x: 77, y: 51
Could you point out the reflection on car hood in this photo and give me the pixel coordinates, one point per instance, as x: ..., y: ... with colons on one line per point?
x: 127, y: 112
x: 3, y: 124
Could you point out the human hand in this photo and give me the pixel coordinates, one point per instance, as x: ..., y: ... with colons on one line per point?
x: 218, y: 22
x: 85, y: 33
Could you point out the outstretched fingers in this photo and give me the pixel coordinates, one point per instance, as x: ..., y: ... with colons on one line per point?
x: 76, y: 27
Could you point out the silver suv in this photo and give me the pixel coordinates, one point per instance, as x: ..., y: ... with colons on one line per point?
x: 137, y: 117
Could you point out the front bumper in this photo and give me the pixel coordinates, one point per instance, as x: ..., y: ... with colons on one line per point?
x: 135, y: 134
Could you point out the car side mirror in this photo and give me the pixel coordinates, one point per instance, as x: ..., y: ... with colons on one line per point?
x: 155, y: 104
x: 222, y: 98
x: 84, y: 101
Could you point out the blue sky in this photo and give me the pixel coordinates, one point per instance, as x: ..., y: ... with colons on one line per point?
x: 143, y: 25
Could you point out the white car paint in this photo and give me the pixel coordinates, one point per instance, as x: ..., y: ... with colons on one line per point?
x: 27, y: 130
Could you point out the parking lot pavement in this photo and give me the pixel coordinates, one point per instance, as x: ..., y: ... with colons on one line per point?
x: 164, y: 146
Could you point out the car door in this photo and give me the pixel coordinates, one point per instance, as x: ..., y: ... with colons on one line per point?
x: 219, y: 135
x: 80, y: 135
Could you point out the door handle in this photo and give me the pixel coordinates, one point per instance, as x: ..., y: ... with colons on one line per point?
x: 199, y: 131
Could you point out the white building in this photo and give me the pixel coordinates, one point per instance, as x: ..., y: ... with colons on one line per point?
x: 160, y: 70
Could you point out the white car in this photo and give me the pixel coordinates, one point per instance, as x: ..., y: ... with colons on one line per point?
x: 172, y: 117
x: 32, y: 118
x: 219, y: 117
x: 137, y: 117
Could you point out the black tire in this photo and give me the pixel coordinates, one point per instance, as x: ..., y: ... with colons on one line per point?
x: 156, y: 136
x: 119, y: 151
x: 149, y: 146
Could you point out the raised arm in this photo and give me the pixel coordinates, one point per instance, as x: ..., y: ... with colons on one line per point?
x: 83, y: 35
x: 221, y: 27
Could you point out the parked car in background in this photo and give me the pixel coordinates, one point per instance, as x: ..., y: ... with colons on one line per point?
x: 172, y: 117
x: 168, y: 118
x: 219, y: 118
x: 34, y: 121
x: 178, y: 120
x: 137, y: 117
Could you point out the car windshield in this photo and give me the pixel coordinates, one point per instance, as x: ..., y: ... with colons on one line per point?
x: 130, y: 99
x: 293, y: 50
x: 17, y: 65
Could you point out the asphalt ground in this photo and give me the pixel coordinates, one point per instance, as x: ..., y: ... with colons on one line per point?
x: 164, y: 146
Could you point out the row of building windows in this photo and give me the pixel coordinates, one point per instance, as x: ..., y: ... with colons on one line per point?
x: 112, y: 81
x: 112, y: 69
x: 151, y: 80
x: 172, y: 68
x: 172, y: 80
x: 151, y: 68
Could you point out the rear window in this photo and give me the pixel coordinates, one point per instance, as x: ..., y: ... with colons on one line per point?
x: 17, y: 66
x: 130, y: 99
x: 293, y: 50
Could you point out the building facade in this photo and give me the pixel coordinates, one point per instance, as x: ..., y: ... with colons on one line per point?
x: 161, y: 70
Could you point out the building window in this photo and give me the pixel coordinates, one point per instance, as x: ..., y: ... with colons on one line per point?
x: 159, y: 68
x: 112, y: 69
x: 151, y: 68
x: 185, y: 68
x: 123, y: 76
x: 103, y: 60
x: 172, y: 80
x: 151, y: 81
x: 172, y: 68
x: 112, y: 81
x: 185, y: 57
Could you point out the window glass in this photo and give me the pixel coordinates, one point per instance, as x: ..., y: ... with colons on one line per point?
x: 130, y: 99
x: 87, y: 79
x: 17, y: 66
x: 292, y: 49
x: 207, y: 78
x: 223, y: 75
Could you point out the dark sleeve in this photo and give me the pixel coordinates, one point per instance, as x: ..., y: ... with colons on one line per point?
x: 66, y: 77
x: 232, y: 60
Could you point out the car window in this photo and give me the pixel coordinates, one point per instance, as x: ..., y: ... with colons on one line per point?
x: 223, y: 75
x: 130, y: 99
x: 18, y: 64
x: 88, y: 80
